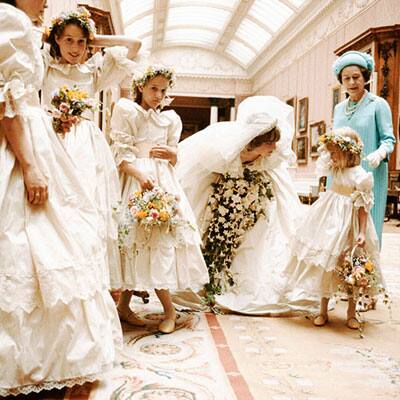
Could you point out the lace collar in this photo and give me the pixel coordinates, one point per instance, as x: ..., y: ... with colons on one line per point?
x: 88, y: 67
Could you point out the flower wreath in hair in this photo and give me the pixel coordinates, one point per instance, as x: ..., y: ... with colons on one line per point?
x: 140, y: 79
x: 343, y: 142
x: 81, y: 16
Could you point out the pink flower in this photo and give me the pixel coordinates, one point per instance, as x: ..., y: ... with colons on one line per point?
x: 363, y: 281
x: 64, y: 107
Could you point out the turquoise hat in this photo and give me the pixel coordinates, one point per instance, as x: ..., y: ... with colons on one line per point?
x: 353, y: 58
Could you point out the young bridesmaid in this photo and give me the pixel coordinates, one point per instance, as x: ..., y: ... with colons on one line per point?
x: 335, y: 223
x: 144, y: 142
x: 66, y: 63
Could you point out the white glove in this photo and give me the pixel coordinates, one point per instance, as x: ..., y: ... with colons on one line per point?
x: 375, y: 158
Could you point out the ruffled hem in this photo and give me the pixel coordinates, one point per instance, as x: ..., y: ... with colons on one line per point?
x: 51, y: 286
x: 49, y: 385
x: 317, y: 256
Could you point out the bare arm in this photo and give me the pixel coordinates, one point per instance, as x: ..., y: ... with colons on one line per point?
x: 132, y: 44
x: 35, y: 181
x: 165, y: 152
x: 362, y: 223
x: 145, y: 181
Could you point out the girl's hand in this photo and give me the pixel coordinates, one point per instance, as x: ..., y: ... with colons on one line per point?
x: 36, y: 186
x: 146, y: 182
x: 165, y: 152
x: 360, y: 239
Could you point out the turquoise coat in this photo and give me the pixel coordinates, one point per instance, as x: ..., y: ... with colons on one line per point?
x: 373, y: 122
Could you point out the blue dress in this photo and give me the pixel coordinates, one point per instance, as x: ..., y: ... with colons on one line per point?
x: 373, y: 122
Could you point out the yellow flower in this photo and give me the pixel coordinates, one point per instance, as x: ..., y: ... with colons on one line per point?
x: 322, y: 138
x: 138, y: 194
x: 369, y: 266
x: 141, y: 214
x: 164, y: 216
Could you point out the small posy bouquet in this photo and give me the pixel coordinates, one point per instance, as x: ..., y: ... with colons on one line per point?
x: 360, y: 278
x: 68, y: 106
x: 148, y: 209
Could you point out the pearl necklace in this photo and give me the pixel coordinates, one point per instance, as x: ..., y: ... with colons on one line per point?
x: 350, y: 109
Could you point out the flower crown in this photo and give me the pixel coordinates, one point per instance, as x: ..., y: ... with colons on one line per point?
x: 151, y: 72
x: 81, y: 15
x: 344, y: 142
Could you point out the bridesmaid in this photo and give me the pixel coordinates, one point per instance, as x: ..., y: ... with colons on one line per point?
x: 66, y: 64
x: 59, y: 325
x: 370, y: 116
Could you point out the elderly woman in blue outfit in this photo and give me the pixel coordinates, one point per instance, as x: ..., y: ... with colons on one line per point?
x: 370, y: 116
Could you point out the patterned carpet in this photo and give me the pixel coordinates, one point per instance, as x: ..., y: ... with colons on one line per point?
x: 234, y: 357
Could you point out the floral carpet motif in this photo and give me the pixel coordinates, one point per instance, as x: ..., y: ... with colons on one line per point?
x: 290, y: 359
x: 182, y: 366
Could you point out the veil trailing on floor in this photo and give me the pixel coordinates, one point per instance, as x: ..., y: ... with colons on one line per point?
x: 260, y: 259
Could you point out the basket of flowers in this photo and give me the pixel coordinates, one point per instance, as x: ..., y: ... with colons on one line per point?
x: 360, y: 279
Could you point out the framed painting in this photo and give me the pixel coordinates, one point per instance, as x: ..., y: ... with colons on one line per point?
x: 301, y: 149
x: 293, y: 103
x: 302, y: 115
x: 316, y: 130
x: 336, y: 97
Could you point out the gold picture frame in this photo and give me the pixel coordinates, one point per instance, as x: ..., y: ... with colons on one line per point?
x: 301, y: 149
x: 316, y: 130
x: 302, y: 115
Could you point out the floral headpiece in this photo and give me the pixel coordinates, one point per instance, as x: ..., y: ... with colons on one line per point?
x: 81, y: 16
x: 140, y: 79
x: 343, y: 142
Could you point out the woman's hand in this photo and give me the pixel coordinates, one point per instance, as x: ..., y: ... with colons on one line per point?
x: 165, y: 152
x: 36, y: 186
x: 360, y: 239
x: 146, y: 182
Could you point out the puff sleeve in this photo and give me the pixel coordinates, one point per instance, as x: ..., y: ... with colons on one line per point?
x: 363, y: 196
x: 174, y: 129
x: 124, y: 131
x: 324, y: 162
x: 19, y: 61
x: 113, y: 67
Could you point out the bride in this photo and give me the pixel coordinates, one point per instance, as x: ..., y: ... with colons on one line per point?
x: 245, y: 250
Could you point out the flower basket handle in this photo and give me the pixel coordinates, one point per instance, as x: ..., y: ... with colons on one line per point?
x: 353, y: 251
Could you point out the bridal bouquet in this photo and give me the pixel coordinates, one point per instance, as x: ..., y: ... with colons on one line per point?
x: 148, y: 209
x: 68, y: 106
x: 360, y: 279
x: 234, y: 207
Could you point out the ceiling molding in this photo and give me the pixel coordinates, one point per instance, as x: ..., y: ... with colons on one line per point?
x: 288, y: 33
x: 159, y: 23
x: 231, y: 27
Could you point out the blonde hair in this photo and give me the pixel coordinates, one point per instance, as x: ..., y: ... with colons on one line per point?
x: 347, y: 158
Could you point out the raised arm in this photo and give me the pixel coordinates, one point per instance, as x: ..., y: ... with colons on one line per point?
x: 132, y: 44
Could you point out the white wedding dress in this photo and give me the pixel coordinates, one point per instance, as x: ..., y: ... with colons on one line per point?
x: 163, y: 260
x: 264, y: 250
x: 86, y: 144
x: 329, y: 229
x: 59, y: 326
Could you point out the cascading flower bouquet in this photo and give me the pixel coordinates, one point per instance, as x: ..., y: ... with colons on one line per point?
x: 360, y: 280
x: 234, y: 207
x: 68, y: 106
x: 149, y: 209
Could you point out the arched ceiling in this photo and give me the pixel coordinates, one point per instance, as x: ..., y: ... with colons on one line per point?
x: 241, y: 30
